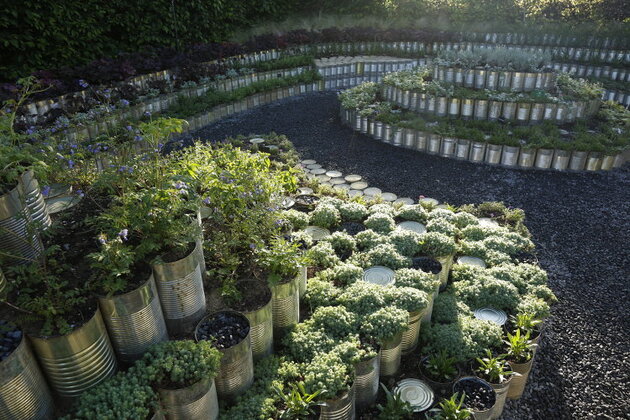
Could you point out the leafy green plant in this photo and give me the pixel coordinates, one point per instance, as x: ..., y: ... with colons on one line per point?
x: 526, y: 323
x: 327, y: 372
x: 297, y: 403
x: 369, y: 239
x: 281, y: 260
x: 353, y: 212
x: 451, y: 409
x: 410, y: 277
x: 440, y: 367
x: 380, y: 223
x: 325, y: 215
x: 178, y: 364
x: 297, y: 219
x: 519, y: 347
x: 322, y: 255
x: 342, y: 243
x: 385, y: 254
x: 342, y: 274
x: 413, y: 212
x: 395, y: 407
x: 494, y: 369
x: 437, y: 244
x: 384, y: 324
x: 407, y: 242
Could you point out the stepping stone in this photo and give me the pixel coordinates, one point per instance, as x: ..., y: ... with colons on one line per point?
x: 429, y: 200
x: 405, y: 200
x: 334, y: 174
x: 353, y: 178
x: 345, y: 187
x: 328, y: 184
x: 359, y: 185
x: 313, y: 166
x: 308, y: 162
x: 355, y: 193
x: 323, y: 178
x: 488, y: 222
x: 305, y: 190
x: 466, y: 260
x: 257, y: 140
x: 372, y: 191
x: 337, y: 181
x: 413, y: 226
x: 317, y: 233
x: 387, y: 196
x: 319, y: 171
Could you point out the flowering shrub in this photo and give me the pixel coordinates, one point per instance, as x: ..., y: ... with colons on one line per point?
x: 486, y: 291
x: 380, y: 222
x: 359, y: 97
x: 384, y: 208
x: 413, y: 212
x: 321, y: 293
x: 342, y: 243
x: 335, y: 320
x: 407, y: 242
x: 327, y: 372
x: 297, y: 219
x: 407, y: 298
x: 385, y: 323
x: 342, y: 274
x: 322, y: 255
x: 409, y: 277
x: 353, y: 212
x: 463, y: 219
x: 369, y: 239
x: 281, y: 260
x: 325, y: 215
x: 447, y: 309
x: 437, y: 244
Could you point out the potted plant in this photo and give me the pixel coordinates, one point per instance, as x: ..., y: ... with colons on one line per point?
x: 479, y: 396
x: 183, y: 373
x: 528, y: 324
x: 229, y: 331
x: 451, y: 409
x: 18, y: 366
x: 297, y: 403
x: 520, y: 355
x: 415, y: 302
x: 282, y: 262
x: 498, y: 373
x: 395, y: 407
x: 440, y: 371
x: 442, y: 248
x: 328, y: 374
x: 386, y: 327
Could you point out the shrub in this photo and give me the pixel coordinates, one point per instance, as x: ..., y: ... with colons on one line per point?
x: 380, y: 222
x: 407, y: 242
x: 533, y: 305
x: 327, y: 372
x: 464, y: 219
x: 342, y: 243
x: 443, y: 214
x: 410, y: 277
x: 297, y: 219
x: 333, y: 201
x: 384, y: 324
x: 407, y: 298
x: 322, y: 255
x: 437, y: 245
x: 384, y: 208
x: 320, y: 293
x: 486, y: 291
x: 443, y: 226
x: 304, y: 343
x: 178, y: 364
x: 335, y: 320
x: 325, y: 215
x: 353, y: 212
x: 477, y: 232
x: 303, y: 238
x: 369, y: 239
x: 413, y: 212
x: 386, y: 255
x: 447, y: 309
x: 363, y: 298
x: 342, y: 275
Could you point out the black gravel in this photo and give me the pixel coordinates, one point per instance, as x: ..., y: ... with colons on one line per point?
x: 579, y: 223
x: 479, y: 395
x: 10, y: 337
x: 224, y: 330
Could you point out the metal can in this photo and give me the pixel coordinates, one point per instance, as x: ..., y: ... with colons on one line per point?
x: 366, y: 380
x: 196, y: 402
x: 286, y: 306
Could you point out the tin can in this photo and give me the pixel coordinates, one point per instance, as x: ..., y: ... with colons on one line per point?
x: 196, y: 402
x: 366, y: 380
x: 391, y: 352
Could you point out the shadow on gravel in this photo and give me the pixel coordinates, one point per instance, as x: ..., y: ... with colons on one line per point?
x: 579, y: 223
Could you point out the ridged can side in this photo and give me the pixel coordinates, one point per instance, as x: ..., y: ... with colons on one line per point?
x: 367, y: 378
x: 196, y: 402
x: 519, y: 381
x: 134, y: 320
x: 342, y: 408
x: 391, y: 352
x: 34, y: 199
x: 410, y: 336
x: 261, y: 331
x: 75, y: 362
x: 24, y: 394
x: 286, y: 306
x: 16, y: 238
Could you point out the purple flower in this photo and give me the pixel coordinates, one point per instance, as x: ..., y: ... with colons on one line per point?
x: 83, y: 83
x: 102, y: 239
x: 46, y: 191
x: 147, y: 114
x: 80, y: 193
x: 138, y: 138
x: 123, y: 234
x: 30, y: 130
x: 252, y: 246
x: 206, y: 201
x: 71, y: 164
x: 129, y: 128
x: 124, y: 102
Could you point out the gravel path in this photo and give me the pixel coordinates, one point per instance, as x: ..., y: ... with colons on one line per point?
x: 580, y: 224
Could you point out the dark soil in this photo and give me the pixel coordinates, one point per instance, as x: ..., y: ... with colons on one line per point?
x: 579, y: 223
x: 177, y: 254
x: 479, y: 396
x: 224, y: 329
x: 352, y: 228
x: 426, y: 264
x: 305, y: 202
x: 10, y: 337
x: 254, y: 295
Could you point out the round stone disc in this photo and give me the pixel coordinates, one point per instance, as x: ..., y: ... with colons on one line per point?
x: 323, y: 178
x: 287, y: 203
x: 313, y: 166
x: 372, y: 191
x: 334, y: 174
x: 272, y: 147
x: 354, y: 193
x: 488, y: 222
x: 319, y: 171
x: 416, y: 392
x: 336, y: 181
x: 360, y: 185
x: 328, y: 184
x: 257, y: 140
x: 471, y: 261
x: 353, y: 178
x: 317, y: 233
x: 429, y: 200
x: 412, y: 226
x: 345, y: 187
x: 305, y: 190
x: 387, y: 196
x: 443, y: 207
x: 493, y: 315
x: 404, y: 200
x: 308, y: 162
x: 59, y: 204
x: 379, y: 275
